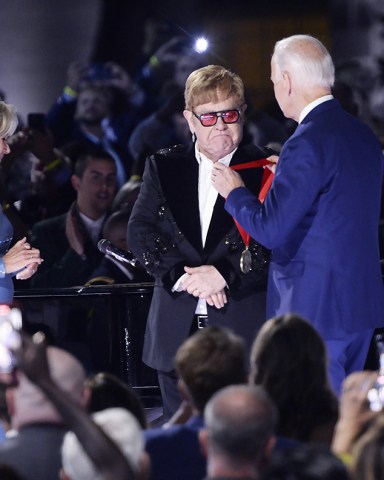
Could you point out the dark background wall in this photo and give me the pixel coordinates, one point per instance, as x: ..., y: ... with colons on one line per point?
x: 40, y: 38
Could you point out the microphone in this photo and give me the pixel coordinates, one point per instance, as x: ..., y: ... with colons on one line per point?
x: 105, y: 246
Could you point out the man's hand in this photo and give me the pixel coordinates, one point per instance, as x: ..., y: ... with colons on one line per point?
x: 76, y: 73
x: 274, y: 159
x: 225, y: 180
x: 203, y: 282
x: 218, y: 299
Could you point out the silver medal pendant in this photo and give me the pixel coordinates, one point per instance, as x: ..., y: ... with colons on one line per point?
x: 246, y: 261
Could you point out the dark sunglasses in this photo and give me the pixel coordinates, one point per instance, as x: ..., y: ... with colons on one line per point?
x: 210, y: 119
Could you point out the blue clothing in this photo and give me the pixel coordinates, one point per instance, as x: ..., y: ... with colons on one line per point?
x: 175, y: 451
x: 320, y: 219
x: 6, y: 282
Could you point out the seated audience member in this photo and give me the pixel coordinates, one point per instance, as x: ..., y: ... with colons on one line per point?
x: 68, y: 243
x: 289, y: 360
x: 112, y: 270
x: 123, y: 429
x: 306, y: 462
x: 105, y: 390
x: 107, y: 457
x: 238, y: 437
x: 209, y: 360
x: 34, y: 448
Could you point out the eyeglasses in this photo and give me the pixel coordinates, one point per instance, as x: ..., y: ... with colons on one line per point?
x: 210, y: 119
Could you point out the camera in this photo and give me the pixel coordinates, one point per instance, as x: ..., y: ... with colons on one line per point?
x: 10, y: 326
x: 99, y: 71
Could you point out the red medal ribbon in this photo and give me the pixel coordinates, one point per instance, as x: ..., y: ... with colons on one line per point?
x: 266, y: 183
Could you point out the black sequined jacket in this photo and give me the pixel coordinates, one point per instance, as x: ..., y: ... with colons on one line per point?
x: 165, y: 235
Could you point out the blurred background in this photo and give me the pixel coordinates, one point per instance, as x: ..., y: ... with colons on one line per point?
x: 41, y: 37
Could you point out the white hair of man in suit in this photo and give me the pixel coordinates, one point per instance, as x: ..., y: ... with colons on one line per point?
x: 305, y: 58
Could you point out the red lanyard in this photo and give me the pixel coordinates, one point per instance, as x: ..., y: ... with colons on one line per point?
x: 265, y: 185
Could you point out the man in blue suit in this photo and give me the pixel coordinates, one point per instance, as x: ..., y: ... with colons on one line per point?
x: 320, y: 217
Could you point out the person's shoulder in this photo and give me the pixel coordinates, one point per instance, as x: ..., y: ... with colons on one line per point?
x: 170, y: 157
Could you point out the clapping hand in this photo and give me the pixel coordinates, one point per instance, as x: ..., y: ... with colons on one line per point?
x: 22, y: 256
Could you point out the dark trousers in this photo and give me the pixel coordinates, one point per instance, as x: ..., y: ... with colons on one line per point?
x: 168, y: 380
x: 169, y: 392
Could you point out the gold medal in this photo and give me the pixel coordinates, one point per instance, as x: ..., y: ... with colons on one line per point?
x: 246, y: 261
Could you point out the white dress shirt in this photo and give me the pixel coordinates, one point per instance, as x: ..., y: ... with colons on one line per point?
x: 312, y: 105
x: 207, y: 199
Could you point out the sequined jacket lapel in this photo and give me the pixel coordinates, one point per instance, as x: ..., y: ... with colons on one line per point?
x: 178, y: 172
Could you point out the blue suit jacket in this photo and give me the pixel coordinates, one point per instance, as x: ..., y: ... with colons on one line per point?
x: 175, y: 451
x: 320, y: 219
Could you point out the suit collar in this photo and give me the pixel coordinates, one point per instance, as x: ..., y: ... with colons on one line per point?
x: 313, y: 105
x: 178, y: 174
x: 329, y: 104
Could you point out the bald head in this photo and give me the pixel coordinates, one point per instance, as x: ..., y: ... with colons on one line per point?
x: 240, y: 421
x: 29, y: 402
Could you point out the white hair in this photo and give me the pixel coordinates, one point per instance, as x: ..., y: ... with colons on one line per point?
x: 306, y: 59
x: 8, y: 119
x: 121, y: 426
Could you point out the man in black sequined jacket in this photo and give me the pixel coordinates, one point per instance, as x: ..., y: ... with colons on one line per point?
x: 176, y: 223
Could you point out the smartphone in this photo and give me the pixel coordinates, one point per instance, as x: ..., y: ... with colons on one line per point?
x: 36, y: 121
x: 99, y: 71
x: 10, y: 326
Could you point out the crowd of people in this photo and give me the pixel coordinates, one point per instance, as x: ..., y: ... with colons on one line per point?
x: 229, y: 425
x: 263, y: 309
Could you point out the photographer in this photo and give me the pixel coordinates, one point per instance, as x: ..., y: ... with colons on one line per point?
x: 98, y: 107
